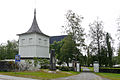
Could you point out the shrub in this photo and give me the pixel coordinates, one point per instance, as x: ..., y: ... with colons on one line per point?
x: 44, y: 63
x: 110, y: 70
x: 45, y: 67
x: 65, y: 68
x: 7, y: 66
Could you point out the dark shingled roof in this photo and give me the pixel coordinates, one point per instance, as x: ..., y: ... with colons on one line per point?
x: 56, y: 38
x: 34, y: 27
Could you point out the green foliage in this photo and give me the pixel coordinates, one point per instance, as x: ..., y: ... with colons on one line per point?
x: 71, y: 47
x: 12, y: 49
x: 118, y: 52
x: 9, y: 50
x: 103, y: 55
x: 44, y: 63
x: 2, y: 52
x: 109, y: 49
x: 108, y: 68
x: 89, y: 57
x: 28, y: 64
x: 74, y: 43
x: 7, y: 66
x: 57, y: 46
x: 117, y: 58
x: 74, y: 28
x: 101, y: 44
x: 85, y: 60
x: 97, y: 35
x: 35, y: 61
x: 68, y: 49
x: 65, y: 68
x: 94, y: 58
x: 91, y: 68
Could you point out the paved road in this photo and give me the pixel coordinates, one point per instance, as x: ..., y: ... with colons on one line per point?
x: 5, y: 77
x: 83, y: 76
x: 86, y: 75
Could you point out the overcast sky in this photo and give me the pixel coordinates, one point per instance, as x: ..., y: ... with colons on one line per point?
x: 16, y: 16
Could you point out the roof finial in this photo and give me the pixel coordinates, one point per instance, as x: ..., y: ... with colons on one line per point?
x: 35, y: 8
x: 35, y: 12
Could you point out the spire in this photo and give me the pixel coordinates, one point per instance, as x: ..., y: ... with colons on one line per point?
x: 35, y: 12
x: 34, y: 27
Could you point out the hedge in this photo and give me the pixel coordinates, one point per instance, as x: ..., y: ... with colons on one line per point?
x: 110, y: 70
x: 64, y: 68
x: 7, y: 66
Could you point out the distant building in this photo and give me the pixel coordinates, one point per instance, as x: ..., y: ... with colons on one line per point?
x: 57, y: 38
x: 34, y: 43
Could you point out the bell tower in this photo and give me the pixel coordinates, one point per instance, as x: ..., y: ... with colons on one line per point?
x: 34, y: 43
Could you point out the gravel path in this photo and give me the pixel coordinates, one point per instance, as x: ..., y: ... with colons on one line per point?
x: 83, y: 76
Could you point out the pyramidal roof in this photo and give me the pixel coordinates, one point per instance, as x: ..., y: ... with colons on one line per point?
x: 34, y: 27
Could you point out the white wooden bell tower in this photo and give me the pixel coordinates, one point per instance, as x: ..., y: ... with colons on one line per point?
x: 34, y: 43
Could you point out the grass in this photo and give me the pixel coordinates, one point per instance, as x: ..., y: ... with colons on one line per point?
x: 112, y: 76
x: 91, y: 68
x: 81, y: 70
x: 108, y: 68
x: 42, y: 74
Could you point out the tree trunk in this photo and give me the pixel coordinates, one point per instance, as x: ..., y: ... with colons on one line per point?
x: 67, y: 64
x: 79, y: 67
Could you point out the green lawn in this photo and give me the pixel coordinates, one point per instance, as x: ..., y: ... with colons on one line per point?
x: 91, y: 68
x: 42, y: 74
x: 112, y: 76
x: 108, y: 68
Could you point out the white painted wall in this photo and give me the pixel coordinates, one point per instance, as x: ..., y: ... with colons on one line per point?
x: 26, y: 39
x: 44, y: 40
x: 27, y: 51
x: 34, y: 45
x: 42, y: 48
